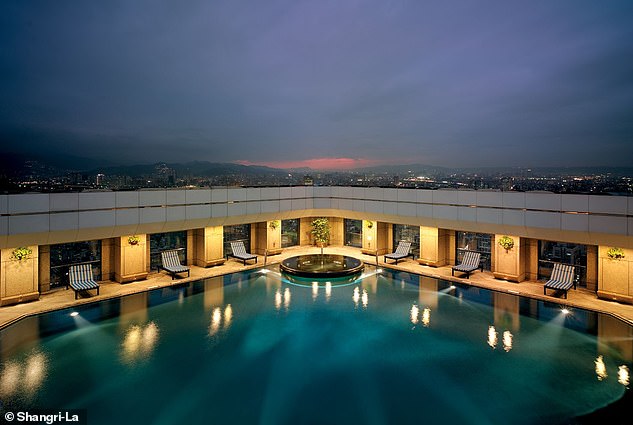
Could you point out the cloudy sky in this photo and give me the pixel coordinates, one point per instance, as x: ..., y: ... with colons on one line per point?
x: 341, y: 82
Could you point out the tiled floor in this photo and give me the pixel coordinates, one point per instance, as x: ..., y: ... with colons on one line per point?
x: 61, y: 298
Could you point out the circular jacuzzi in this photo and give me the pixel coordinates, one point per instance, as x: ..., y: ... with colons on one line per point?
x: 321, y: 265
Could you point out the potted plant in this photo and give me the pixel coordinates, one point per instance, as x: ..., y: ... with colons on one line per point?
x: 133, y: 240
x: 506, y: 242
x: 274, y: 224
x: 321, y: 231
x: 21, y: 253
x: 370, y: 224
x: 615, y: 253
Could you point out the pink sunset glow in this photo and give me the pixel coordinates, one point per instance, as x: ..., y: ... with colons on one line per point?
x: 320, y: 163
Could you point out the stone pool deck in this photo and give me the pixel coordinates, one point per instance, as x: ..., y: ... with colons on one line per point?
x: 61, y: 298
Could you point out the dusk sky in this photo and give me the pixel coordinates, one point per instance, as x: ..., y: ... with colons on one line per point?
x: 321, y: 83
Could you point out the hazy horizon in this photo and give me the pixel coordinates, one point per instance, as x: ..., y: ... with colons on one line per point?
x: 329, y: 84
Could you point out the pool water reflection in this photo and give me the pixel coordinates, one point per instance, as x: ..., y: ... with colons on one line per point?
x: 392, y: 347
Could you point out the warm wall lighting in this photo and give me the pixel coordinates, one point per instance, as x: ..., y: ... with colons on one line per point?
x: 492, y: 336
x: 287, y: 297
x: 415, y: 311
x: 278, y: 299
x: 426, y: 317
x: 507, y: 341
x: 139, y: 341
x: 364, y: 298
x: 623, y: 375
x: 601, y: 368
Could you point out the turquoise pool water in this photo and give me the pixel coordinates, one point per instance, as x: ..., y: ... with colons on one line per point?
x: 252, y: 348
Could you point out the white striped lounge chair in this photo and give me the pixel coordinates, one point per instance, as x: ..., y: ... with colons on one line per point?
x: 239, y: 252
x: 171, y: 263
x: 470, y: 263
x: 402, y: 251
x: 80, y: 278
x: 562, y: 279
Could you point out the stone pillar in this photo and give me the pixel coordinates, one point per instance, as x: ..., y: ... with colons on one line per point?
x: 337, y: 231
x: 273, y: 237
x: 531, y: 259
x: 259, y: 238
x: 107, y: 259
x: 615, y: 277
x: 191, y: 247
x: 509, y: 264
x: 209, y: 246
x: 592, y: 267
x: 375, y: 238
x: 131, y: 261
x: 305, y: 227
x: 434, y: 244
x: 452, y: 247
x: 44, y: 272
x: 19, y: 278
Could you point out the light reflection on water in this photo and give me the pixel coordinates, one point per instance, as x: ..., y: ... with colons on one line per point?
x: 322, y: 344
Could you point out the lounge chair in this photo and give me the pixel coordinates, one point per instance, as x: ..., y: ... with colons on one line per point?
x: 470, y: 263
x: 239, y: 252
x: 80, y: 278
x: 171, y: 263
x: 403, y: 250
x: 562, y: 279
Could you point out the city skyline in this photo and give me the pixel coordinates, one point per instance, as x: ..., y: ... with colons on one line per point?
x: 331, y: 85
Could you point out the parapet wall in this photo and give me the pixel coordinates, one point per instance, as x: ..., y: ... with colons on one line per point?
x: 40, y: 219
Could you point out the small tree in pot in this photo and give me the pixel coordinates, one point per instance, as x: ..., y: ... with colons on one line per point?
x: 321, y: 231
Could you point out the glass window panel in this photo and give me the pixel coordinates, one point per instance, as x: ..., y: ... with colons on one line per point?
x: 353, y: 232
x: 550, y: 253
x: 405, y: 232
x: 238, y: 232
x: 159, y: 242
x: 67, y: 254
x: 289, y: 232
x: 476, y: 242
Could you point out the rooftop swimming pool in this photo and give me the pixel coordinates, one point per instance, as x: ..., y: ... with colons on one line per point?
x: 389, y: 348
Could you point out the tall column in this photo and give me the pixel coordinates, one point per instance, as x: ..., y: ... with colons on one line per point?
x: 44, y: 266
x: 433, y: 246
x: 209, y: 246
x: 19, y: 278
x: 615, y: 276
x: 509, y: 264
x: 107, y: 258
x: 531, y: 258
x: 131, y: 260
x: 592, y: 267
x: 273, y: 237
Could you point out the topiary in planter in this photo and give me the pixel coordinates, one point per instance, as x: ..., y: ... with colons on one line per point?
x: 133, y: 240
x: 321, y: 230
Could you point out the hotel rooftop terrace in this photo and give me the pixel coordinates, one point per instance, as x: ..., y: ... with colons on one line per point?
x: 121, y: 234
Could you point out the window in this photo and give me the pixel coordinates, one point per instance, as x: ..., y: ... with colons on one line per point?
x: 550, y: 253
x: 289, y: 233
x: 404, y: 232
x: 475, y: 242
x: 159, y: 242
x: 353, y: 232
x: 238, y: 232
x: 67, y: 254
